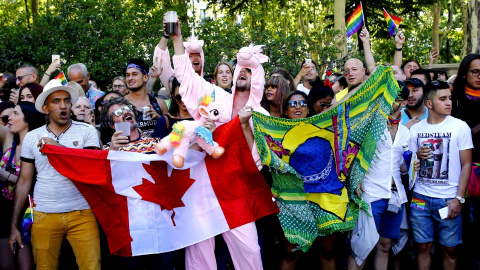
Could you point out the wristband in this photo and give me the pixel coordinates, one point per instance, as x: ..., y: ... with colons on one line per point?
x: 165, y: 36
x: 8, y: 176
x: 48, y: 74
x: 398, y: 49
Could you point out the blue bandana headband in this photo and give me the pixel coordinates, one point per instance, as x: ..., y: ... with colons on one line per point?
x: 132, y: 65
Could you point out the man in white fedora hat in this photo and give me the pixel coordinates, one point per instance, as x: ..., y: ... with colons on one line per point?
x: 60, y: 209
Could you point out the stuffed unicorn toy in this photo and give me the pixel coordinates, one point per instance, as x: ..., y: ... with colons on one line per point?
x: 186, y: 132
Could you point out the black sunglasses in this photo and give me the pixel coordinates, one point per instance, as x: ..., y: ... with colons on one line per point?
x: 4, y: 119
x: 323, y: 104
x: 20, y: 78
x: 178, y: 97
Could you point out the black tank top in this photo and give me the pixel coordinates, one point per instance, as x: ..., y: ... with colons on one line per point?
x: 148, y: 126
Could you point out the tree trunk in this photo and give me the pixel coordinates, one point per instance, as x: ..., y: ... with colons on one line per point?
x: 435, y: 32
x: 339, y: 24
x: 470, y: 21
x: 34, y: 10
x: 26, y: 11
x: 448, y: 50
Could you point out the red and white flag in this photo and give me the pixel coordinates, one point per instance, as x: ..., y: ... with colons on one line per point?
x: 145, y: 206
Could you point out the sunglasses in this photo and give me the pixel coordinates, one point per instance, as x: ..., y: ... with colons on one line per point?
x: 4, y: 119
x: 178, y: 97
x: 295, y: 103
x: 119, y: 112
x: 20, y: 78
x: 323, y: 104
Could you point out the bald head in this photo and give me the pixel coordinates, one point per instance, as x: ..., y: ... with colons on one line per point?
x: 356, y: 72
x: 26, y: 74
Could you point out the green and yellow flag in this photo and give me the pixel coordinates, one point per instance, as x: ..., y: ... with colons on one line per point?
x: 318, y: 162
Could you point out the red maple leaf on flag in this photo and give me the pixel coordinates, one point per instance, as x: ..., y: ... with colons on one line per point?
x: 167, y: 191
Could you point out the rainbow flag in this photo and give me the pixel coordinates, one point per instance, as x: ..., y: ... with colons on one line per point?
x: 27, y: 221
x: 62, y: 78
x: 354, y: 22
x: 393, y: 23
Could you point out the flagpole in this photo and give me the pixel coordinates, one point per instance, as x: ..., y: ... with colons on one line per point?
x: 363, y: 13
x: 30, y: 203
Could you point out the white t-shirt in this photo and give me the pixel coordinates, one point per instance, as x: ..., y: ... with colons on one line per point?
x: 302, y: 88
x: 386, y: 165
x: 53, y: 192
x: 439, y: 176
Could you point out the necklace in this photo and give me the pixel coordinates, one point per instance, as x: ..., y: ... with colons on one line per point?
x: 393, y: 121
x: 57, y: 138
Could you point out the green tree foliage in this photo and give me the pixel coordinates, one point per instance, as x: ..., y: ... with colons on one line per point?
x: 102, y: 34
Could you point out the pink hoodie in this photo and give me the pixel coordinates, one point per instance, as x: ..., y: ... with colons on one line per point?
x: 193, y: 87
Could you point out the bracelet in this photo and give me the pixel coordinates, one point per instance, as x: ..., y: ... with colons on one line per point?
x: 8, y: 176
x: 398, y: 49
x: 165, y: 36
x: 48, y: 74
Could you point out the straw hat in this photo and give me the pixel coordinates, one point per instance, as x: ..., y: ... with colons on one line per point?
x: 53, y: 86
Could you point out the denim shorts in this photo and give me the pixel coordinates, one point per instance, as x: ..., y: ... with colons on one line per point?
x: 387, y: 223
x: 426, y: 220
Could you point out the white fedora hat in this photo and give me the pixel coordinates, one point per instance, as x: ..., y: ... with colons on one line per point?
x: 53, y: 86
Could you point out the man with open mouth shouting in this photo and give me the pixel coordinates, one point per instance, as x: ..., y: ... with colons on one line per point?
x: 60, y: 209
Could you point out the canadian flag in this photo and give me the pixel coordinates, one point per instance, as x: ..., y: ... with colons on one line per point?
x: 145, y: 206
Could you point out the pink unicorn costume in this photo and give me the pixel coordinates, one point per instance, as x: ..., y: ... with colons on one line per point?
x: 241, y: 241
x: 162, y: 58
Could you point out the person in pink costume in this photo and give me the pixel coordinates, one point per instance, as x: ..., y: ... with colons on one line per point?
x: 161, y: 58
x: 247, y: 92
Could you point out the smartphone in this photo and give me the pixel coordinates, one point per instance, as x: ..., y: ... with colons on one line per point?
x: 15, y: 248
x: 308, y: 61
x: 55, y: 58
x: 443, y: 212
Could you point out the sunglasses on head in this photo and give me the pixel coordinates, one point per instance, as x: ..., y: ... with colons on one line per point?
x: 4, y: 119
x: 178, y: 97
x: 295, y: 103
x: 119, y: 112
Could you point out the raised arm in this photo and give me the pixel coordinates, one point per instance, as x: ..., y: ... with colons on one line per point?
x: 369, y: 60
x: 303, y: 71
x: 399, y: 41
x: 192, y: 86
x: 48, y: 74
x: 161, y: 59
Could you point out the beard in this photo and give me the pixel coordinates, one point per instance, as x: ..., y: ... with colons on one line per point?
x: 243, y: 86
x: 417, y: 105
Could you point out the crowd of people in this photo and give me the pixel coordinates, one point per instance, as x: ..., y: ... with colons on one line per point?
x: 435, y: 116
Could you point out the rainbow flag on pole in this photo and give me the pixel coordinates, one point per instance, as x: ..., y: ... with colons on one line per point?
x: 62, y: 78
x: 393, y: 23
x: 27, y: 221
x: 354, y: 22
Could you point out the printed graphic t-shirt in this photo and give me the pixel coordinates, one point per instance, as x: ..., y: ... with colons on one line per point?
x: 439, y: 176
